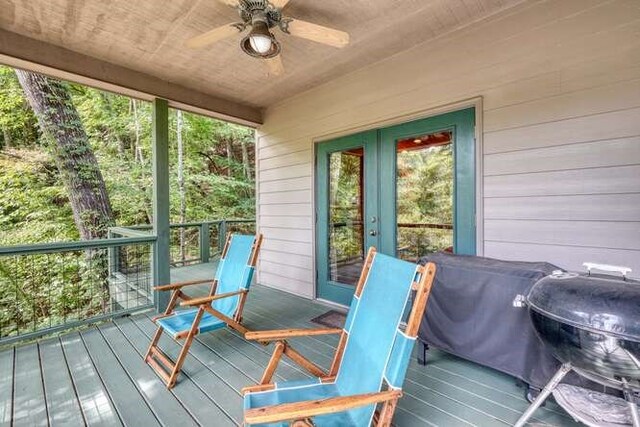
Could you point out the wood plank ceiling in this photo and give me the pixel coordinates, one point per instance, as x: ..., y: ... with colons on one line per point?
x: 149, y: 36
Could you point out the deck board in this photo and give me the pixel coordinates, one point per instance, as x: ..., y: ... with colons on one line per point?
x: 225, y: 401
x: 164, y: 405
x: 105, y: 381
x: 133, y: 409
x: 192, y: 395
x: 63, y: 407
x: 6, y: 386
x: 97, y: 407
x: 29, y: 407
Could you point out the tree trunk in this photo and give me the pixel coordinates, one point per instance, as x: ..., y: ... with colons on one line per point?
x: 61, y: 124
x: 229, y: 157
x: 181, y: 190
x: 245, y: 160
x: 137, y: 149
x: 6, y: 135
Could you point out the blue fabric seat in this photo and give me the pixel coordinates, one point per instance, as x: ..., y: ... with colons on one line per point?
x: 377, y: 350
x: 182, y: 321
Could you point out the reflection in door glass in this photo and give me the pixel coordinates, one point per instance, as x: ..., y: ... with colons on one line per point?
x: 424, y: 195
x: 346, y: 202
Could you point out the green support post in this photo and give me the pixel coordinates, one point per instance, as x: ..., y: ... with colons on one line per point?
x: 161, y: 255
x: 222, y: 235
x: 205, y: 242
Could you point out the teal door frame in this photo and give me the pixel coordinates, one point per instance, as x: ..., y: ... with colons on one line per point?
x: 331, y: 290
x: 380, y: 189
x: 462, y: 124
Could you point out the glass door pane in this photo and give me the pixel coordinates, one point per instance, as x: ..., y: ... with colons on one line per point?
x: 347, y: 218
x: 346, y: 208
x: 424, y: 189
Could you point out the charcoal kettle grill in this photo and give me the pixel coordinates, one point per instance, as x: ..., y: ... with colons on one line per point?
x: 592, y: 325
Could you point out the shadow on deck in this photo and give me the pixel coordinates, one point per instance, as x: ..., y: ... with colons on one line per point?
x: 97, y: 376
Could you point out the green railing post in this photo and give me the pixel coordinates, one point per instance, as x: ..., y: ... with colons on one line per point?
x: 112, y: 254
x: 161, y: 227
x: 222, y: 235
x: 205, y: 243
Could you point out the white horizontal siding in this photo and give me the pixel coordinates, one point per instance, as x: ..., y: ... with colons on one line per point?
x: 618, y: 152
x: 592, y: 207
x: 595, y: 234
x: 560, y: 82
x: 292, y: 184
x: 623, y: 179
x: 599, y: 127
x: 569, y: 257
x: 284, y: 210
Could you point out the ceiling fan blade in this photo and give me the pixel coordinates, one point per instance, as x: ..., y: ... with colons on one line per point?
x: 280, y: 3
x: 212, y: 36
x: 318, y: 33
x: 275, y: 65
x: 231, y: 3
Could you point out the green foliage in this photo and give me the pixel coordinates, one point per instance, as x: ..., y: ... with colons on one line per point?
x: 17, y: 122
x: 34, y: 207
x: 425, y: 195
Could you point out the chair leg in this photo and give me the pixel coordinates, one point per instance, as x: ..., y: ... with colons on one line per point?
x: 273, y: 363
x: 386, y: 415
x: 158, y: 361
x: 154, y: 343
x: 185, y: 349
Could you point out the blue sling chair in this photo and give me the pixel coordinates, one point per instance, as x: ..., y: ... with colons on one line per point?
x: 222, y: 307
x: 370, y: 362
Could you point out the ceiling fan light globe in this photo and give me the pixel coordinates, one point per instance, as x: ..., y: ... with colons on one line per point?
x: 260, y: 43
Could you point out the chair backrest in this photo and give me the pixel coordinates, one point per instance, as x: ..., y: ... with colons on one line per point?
x: 235, y: 270
x: 377, y: 350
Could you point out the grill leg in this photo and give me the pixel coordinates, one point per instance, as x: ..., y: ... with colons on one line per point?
x: 422, y: 352
x: 551, y: 385
x: 631, y: 401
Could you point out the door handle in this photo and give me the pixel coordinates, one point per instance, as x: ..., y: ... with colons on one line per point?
x: 373, y: 233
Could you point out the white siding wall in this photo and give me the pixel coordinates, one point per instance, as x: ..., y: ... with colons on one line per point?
x: 560, y: 83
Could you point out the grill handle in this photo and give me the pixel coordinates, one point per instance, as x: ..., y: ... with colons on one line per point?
x: 608, y: 268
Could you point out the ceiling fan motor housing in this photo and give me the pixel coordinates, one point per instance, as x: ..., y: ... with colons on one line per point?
x: 261, y: 16
x: 250, y: 8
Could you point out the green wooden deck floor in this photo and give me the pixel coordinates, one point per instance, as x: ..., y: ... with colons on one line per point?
x: 97, y: 376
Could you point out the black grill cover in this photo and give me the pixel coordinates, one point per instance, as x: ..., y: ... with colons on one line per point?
x: 470, y: 313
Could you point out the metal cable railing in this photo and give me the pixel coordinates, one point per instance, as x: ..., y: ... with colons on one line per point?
x: 46, y: 288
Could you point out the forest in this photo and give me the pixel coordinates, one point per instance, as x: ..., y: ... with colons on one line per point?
x: 75, y: 161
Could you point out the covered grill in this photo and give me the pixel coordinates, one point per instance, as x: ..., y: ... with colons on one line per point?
x: 592, y: 325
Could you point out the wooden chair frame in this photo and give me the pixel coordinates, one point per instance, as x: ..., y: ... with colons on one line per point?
x: 299, y: 413
x: 169, y: 370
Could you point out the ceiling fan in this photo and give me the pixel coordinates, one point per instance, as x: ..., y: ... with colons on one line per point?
x: 262, y: 16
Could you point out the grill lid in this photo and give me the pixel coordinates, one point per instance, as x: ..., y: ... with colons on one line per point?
x: 594, y: 303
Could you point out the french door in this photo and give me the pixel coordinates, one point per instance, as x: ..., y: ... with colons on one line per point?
x: 408, y: 190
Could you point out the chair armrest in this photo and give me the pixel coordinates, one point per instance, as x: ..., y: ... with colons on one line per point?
x: 179, y: 285
x: 276, y: 335
x: 312, y: 408
x: 208, y: 300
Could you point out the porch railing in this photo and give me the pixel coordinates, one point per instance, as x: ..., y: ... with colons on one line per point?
x: 414, y: 240
x: 51, y: 287
x: 192, y: 242
x: 45, y: 288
